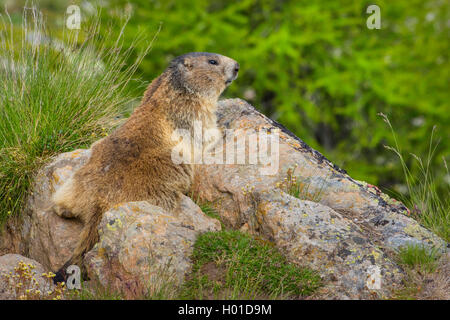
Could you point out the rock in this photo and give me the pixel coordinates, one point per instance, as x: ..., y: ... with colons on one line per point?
x: 194, y: 218
x: 142, y: 247
x: 356, y: 200
x: 8, y: 263
x: 41, y: 234
x: 315, y: 235
x: 239, y: 191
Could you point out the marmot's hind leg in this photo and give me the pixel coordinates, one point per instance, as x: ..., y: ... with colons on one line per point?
x: 88, y: 238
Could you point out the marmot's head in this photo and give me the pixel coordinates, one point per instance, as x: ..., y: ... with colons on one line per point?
x: 203, y: 73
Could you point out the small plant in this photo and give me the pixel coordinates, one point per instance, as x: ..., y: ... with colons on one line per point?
x: 208, y: 208
x: 163, y: 282
x: 419, y: 257
x: 427, y: 274
x: 422, y: 198
x: 293, y: 186
x: 234, y: 265
x: 24, y: 286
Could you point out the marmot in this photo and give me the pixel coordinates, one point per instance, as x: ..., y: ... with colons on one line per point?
x: 134, y: 162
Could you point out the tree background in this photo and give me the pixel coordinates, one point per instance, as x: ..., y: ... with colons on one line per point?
x: 313, y: 66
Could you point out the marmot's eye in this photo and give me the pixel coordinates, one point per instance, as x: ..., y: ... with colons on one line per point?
x: 213, y: 62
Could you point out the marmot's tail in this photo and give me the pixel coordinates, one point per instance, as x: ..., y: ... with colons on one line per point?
x: 88, y: 238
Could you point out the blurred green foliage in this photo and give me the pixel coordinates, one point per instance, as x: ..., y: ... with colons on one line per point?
x: 315, y: 67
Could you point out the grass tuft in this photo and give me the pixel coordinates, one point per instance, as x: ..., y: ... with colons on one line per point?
x: 419, y: 257
x: 298, y: 188
x: 426, y: 274
x: 56, y: 95
x: 209, y: 210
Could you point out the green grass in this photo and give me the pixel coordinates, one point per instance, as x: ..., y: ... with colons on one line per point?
x: 56, y: 95
x: 419, y: 258
x: 233, y: 265
x: 298, y: 188
x: 208, y: 209
x: 423, y: 199
x: 426, y: 275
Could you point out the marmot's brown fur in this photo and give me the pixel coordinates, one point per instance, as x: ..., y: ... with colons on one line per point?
x: 134, y: 163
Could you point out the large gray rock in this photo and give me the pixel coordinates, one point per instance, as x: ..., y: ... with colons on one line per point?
x: 356, y: 200
x: 366, y: 225
x: 142, y: 247
x: 315, y: 235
